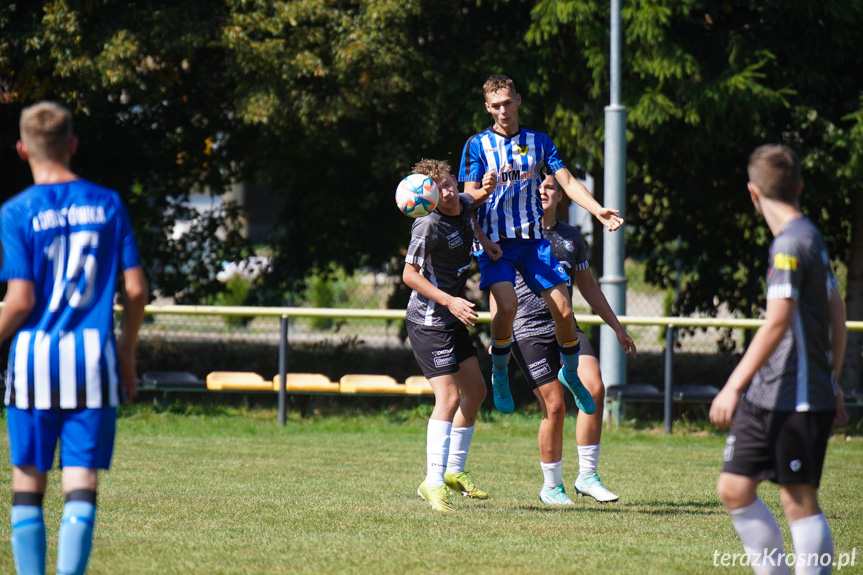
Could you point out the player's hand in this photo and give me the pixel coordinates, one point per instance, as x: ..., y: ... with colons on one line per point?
x: 489, y: 181
x: 494, y: 251
x: 609, y: 218
x: 463, y: 310
x: 841, y: 417
x: 128, y: 371
x: 723, y: 406
x: 626, y: 343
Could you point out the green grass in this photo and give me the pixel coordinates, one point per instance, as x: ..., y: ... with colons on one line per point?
x: 228, y: 491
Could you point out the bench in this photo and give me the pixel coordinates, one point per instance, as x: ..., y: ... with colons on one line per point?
x: 308, y: 384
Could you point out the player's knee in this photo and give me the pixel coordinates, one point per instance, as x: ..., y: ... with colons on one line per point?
x: 731, y: 496
x: 556, y: 411
x: 506, y: 309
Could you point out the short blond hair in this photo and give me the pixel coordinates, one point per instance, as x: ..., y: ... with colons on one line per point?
x: 497, y: 82
x: 775, y: 170
x: 46, y: 130
x: 435, y: 169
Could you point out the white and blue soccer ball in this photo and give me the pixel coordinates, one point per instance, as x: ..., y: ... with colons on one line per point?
x: 417, y: 195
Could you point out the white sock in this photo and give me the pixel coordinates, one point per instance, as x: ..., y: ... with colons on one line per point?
x: 758, y: 531
x: 458, y: 447
x: 588, y: 456
x: 437, y: 451
x: 552, y: 473
x: 812, y: 542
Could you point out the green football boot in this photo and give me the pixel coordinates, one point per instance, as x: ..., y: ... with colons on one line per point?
x: 437, y: 497
x: 463, y: 483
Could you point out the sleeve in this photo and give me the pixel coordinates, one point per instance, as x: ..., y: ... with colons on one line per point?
x: 473, y: 165
x: 551, y: 157
x: 580, y: 251
x: 469, y: 203
x: 422, y: 242
x: 785, y: 272
x: 17, y: 260
x: 128, y: 247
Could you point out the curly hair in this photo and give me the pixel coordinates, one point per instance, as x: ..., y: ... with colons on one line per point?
x: 435, y: 169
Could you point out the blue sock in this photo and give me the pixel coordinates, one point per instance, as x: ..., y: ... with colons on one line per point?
x: 76, y: 532
x: 569, y: 353
x: 500, y: 353
x: 28, y: 534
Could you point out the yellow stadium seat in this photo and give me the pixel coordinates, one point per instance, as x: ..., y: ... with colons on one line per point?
x: 418, y: 385
x: 307, y: 383
x: 237, y: 380
x: 370, y: 384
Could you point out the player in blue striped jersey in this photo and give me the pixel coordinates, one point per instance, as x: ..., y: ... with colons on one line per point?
x: 512, y: 216
x: 64, y: 240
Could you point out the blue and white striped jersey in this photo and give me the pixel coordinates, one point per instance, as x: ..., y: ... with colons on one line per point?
x: 69, y: 240
x: 514, y: 209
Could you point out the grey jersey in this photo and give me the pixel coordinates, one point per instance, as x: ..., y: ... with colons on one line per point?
x: 798, y: 376
x: 533, y: 316
x: 441, y: 246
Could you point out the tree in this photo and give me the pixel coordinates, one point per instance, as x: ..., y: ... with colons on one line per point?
x: 705, y: 83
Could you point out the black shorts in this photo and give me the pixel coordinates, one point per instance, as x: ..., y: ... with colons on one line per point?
x: 538, y: 356
x: 440, y: 350
x: 779, y: 446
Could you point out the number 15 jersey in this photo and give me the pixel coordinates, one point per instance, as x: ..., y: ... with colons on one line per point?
x: 68, y: 239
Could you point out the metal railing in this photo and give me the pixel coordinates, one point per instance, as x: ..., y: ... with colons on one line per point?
x: 671, y: 324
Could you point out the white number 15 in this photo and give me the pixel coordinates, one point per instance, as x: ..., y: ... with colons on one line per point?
x: 68, y: 270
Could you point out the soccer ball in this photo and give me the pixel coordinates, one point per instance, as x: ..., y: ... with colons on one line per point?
x: 417, y: 195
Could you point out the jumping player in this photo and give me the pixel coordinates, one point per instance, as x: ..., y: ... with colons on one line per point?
x: 437, y: 266
x: 64, y: 241
x: 510, y: 214
x: 782, y: 398
x: 538, y: 357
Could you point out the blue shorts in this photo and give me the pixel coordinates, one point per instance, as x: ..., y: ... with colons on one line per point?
x: 86, y: 437
x: 532, y: 259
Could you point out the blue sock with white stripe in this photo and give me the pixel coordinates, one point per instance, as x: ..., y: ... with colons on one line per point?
x: 28, y: 533
x: 76, y: 532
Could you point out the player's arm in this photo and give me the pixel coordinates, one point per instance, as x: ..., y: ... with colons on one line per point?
x: 579, y: 194
x: 838, y: 339
x: 594, y: 297
x: 134, y: 301
x: 459, y: 307
x: 17, y: 305
x: 491, y: 249
x: 780, y: 311
x: 479, y: 191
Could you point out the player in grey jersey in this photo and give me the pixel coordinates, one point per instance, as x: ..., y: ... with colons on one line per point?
x: 436, y: 269
x: 536, y: 351
x: 782, y: 399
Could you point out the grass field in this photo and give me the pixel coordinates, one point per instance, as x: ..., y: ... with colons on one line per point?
x: 228, y: 491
